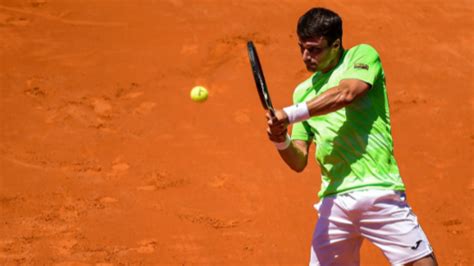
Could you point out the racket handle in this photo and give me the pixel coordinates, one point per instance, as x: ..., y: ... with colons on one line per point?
x: 272, y: 112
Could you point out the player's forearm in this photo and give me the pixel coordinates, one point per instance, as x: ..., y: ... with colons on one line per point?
x: 330, y: 101
x: 294, y: 157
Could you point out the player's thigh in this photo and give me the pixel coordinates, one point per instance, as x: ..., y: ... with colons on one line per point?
x: 392, y: 226
x: 336, y: 241
x: 345, y: 252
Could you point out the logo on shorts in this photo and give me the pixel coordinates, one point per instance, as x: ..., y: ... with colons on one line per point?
x: 361, y: 66
x: 415, y: 247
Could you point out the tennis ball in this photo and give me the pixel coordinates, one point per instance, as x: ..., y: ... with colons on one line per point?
x: 199, y: 94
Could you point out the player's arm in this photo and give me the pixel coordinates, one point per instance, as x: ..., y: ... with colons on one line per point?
x: 329, y: 101
x: 293, y: 152
x: 296, y: 155
x: 337, y: 97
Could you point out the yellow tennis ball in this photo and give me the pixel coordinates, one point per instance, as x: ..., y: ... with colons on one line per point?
x: 199, y: 94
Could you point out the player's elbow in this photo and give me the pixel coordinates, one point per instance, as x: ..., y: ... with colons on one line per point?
x: 298, y: 167
x: 298, y: 170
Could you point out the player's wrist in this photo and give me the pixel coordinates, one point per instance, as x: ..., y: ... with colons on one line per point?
x: 297, y: 113
x: 284, y: 144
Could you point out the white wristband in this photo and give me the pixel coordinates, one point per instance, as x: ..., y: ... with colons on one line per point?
x: 283, y: 145
x: 296, y: 113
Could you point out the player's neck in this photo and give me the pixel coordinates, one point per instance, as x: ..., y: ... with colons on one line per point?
x: 335, y: 61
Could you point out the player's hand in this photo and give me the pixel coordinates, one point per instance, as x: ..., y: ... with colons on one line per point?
x: 282, y: 117
x: 277, y: 125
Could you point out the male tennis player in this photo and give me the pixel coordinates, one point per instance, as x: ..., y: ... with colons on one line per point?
x: 343, y: 108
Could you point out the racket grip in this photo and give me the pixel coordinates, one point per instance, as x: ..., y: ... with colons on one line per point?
x: 272, y: 112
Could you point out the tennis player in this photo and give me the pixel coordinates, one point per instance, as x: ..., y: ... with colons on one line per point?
x: 343, y: 108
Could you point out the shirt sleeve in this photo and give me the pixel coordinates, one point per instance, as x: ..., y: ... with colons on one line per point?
x: 364, y: 64
x: 301, y: 131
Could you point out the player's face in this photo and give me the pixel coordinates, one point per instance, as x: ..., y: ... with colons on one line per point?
x: 317, y: 54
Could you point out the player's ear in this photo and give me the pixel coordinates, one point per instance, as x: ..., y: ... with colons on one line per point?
x: 336, y: 43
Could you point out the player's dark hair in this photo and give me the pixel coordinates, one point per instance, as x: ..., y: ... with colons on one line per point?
x: 318, y: 22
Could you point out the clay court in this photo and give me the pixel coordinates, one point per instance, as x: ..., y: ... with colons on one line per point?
x: 105, y: 160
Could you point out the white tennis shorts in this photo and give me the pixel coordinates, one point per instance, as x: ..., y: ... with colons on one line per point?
x: 381, y: 216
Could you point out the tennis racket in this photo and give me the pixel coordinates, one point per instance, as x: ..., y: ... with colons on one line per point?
x: 259, y: 78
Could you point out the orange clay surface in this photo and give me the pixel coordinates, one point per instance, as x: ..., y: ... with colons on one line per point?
x: 105, y: 160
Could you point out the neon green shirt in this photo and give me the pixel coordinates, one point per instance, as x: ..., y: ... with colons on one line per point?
x: 354, y: 145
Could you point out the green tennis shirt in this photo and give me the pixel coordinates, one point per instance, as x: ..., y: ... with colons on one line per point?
x: 354, y: 145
